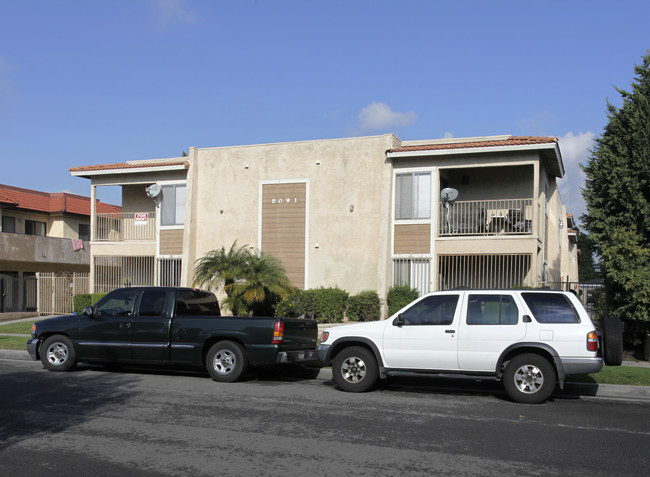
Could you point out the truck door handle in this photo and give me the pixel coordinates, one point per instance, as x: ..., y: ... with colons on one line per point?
x: 451, y: 332
x: 125, y: 325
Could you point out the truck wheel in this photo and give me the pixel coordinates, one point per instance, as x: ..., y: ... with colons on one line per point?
x: 57, y: 353
x: 612, y: 341
x: 355, y: 369
x: 529, y: 378
x: 226, y: 361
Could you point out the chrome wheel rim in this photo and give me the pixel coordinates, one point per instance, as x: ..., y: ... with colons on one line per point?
x: 353, y: 369
x: 57, y: 354
x: 224, y: 361
x: 529, y: 379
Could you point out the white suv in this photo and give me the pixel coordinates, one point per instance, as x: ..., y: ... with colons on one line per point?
x: 530, y: 339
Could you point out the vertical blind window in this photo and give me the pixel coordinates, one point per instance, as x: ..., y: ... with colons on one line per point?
x: 413, y: 196
x: 173, y: 204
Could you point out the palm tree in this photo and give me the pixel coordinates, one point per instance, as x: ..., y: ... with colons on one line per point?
x: 221, y: 268
x: 247, y: 279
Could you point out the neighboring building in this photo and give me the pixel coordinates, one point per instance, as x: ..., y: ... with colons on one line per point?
x: 358, y: 213
x: 40, y: 232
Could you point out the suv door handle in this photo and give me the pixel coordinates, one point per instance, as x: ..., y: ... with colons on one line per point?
x: 450, y: 331
x: 125, y: 325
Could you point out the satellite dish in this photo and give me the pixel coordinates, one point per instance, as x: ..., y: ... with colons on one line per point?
x: 154, y: 190
x: 448, y: 195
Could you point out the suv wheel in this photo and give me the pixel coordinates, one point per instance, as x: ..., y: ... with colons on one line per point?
x: 612, y: 341
x: 529, y: 379
x: 355, y: 369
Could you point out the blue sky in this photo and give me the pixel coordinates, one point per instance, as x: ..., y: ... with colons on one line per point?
x: 94, y: 82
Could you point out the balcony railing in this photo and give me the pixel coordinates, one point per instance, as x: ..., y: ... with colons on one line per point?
x: 126, y: 226
x: 487, y: 217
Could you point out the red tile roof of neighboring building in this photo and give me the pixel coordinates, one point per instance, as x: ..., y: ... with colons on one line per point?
x: 124, y: 165
x: 50, y: 203
x: 511, y: 141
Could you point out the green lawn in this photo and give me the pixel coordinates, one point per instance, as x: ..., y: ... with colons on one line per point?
x: 22, y: 328
x: 13, y: 342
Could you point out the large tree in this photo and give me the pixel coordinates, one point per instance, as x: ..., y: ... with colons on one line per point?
x: 617, y: 195
x: 586, y: 264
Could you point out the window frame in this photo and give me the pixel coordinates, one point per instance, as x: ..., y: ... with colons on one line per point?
x: 416, y: 199
x: 170, y: 218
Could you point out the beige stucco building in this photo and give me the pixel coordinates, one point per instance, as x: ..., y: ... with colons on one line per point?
x: 360, y: 213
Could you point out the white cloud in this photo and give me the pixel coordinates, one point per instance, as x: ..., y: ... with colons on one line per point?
x: 576, y: 150
x: 173, y: 12
x: 448, y: 135
x: 377, y: 116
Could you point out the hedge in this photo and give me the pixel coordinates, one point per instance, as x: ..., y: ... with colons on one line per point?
x: 400, y: 296
x: 81, y: 301
x: 364, y: 307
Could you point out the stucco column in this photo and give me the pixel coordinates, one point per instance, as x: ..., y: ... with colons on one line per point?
x: 93, y: 211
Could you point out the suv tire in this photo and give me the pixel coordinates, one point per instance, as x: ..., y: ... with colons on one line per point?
x: 529, y: 378
x: 355, y: 370
x: 612, y: 341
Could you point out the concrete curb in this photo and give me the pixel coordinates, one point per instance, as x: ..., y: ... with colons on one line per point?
x: 582, y: 390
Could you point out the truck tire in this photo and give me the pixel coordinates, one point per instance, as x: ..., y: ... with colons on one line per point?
x: 612, y: 341
x: 226, y: 361
x: 355, y: 370
x: 57, y: 353
x: 529, y: 379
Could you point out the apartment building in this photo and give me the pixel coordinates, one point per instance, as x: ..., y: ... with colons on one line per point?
x: 41, y: 232
x: 361, y: 213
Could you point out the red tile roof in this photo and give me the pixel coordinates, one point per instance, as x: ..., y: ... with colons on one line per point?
x: 123, y: 165
x: 50, y: 203
x: 511, y: 141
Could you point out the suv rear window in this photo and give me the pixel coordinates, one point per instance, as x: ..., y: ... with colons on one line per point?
x: 551, y: 308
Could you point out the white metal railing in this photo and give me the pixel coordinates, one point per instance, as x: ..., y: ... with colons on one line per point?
x: 112, y: 272
x: 484, y: 271
x: 121, y: 227
x: 487, y: 217
x: 55, y: 291
x: 412, y: 271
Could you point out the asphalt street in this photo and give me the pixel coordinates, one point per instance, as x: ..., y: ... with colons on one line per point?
x: 146, y: 421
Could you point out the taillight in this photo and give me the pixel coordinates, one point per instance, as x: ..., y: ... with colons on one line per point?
x: 592, y: 341
x: 278, y: 332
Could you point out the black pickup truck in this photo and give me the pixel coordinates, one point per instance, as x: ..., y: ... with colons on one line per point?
x: 171, y: 326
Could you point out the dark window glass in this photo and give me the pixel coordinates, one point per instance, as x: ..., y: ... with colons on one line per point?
x: 432, y: 310
x: 117, y: 303
x: 551, y: 308
x: 492, y: 310
x: 84, y: 232
x: 33, y: 227
x: 8, y: 224
x: 152, y: 303
x: 197, y: 303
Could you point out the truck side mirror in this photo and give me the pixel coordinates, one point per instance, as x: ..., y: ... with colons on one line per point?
x: 89, y: 311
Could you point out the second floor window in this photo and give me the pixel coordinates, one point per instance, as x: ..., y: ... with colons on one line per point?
x: 8, y: 224
x: 33, y: 227
x: 172, y: 207
x: 413, y: 196
x: 84, y: 232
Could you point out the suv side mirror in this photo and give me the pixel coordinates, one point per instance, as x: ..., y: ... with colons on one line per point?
x: 527, y: 319
x: 399, y: 321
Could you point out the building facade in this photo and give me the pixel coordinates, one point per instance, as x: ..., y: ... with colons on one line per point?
x: 40, y: 232
x: 361, y: 213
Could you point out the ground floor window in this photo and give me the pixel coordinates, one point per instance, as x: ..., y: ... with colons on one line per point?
x: 414, y: 272
x: 169, y: 272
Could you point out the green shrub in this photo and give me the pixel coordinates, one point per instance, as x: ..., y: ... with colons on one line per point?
x: 290, y: 306
x: 81, y: 301
x: 400, y: 296
x: 329, y: 304
x: 364, y: 307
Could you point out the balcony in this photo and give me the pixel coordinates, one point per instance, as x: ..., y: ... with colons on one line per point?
x: 125, y: 227
x: 487, y: 218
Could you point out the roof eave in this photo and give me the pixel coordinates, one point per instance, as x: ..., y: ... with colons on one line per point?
x: 130, y: 170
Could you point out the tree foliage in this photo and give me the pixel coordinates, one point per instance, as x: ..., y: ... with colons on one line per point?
x: 617, y: 195
x: 249, y: 280
x: 586, y: 265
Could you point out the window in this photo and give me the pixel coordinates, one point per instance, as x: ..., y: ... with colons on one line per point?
x: 432, y: 310
x: 9, y: 224
x: 551, y: 308
x: 173, y: 204
x: 413, y: 272
x: 197, y: 303
x: 119, y: 303
x: 492, y: 310
x: 84, y: 232
x: 413, y: 196
x: 153, y: 303
x: 32, y: 227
